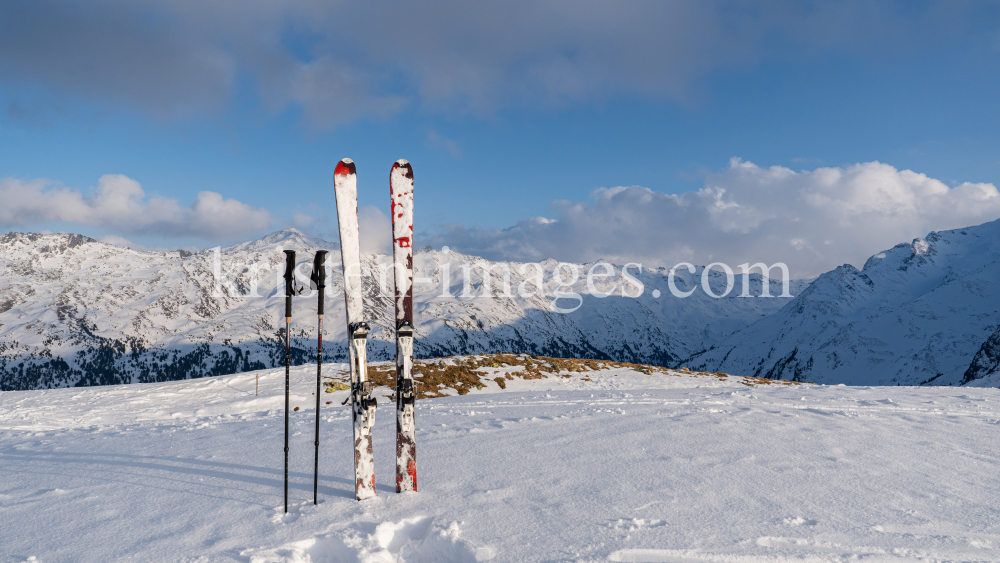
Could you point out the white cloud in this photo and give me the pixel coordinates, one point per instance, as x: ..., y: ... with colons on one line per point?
x: 376, y: 230
x: 119, y: 202
x: 331, y: 92
x: 119, y: 241
x: 437, y: 141
x: 811, y: 220
x: 126, y: 243
x: 303, y: 220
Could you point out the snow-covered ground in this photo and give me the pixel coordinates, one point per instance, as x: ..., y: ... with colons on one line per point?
x: 626, y: 467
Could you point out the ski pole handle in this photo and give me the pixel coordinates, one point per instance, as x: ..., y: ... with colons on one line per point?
x: 289, y: 278
x: 319, y: 276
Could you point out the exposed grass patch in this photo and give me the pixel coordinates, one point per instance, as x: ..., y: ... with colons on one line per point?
x: 436, y: 376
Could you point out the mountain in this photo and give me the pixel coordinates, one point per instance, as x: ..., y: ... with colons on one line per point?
x: 919, y: 313
x: 75, y: 311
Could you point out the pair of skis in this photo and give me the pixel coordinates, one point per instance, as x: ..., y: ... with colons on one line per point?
x: 363, y: 404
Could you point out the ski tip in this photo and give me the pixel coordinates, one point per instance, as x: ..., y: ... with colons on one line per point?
x: 407, y: 169
x: 344, y: 168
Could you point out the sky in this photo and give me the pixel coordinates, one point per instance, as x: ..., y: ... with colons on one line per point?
x: 812, y: 133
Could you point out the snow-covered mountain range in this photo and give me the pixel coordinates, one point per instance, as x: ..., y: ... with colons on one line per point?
x: 74, y: 311
x: 919, y: 313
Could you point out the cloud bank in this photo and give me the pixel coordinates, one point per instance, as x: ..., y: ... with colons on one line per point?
x: 340, y: 61
x: 811, y: 220
x: 119, y: 203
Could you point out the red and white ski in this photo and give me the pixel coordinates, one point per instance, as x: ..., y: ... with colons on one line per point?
x: 401, y: 192
x: 362, y: 402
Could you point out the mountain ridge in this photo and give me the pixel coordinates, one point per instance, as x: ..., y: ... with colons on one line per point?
x: 918, y: 313
x: 75, y: 311
x: 82, y: 312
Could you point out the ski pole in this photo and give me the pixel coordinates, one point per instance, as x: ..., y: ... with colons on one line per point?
x: 319, y: 279
x: 289, y: 271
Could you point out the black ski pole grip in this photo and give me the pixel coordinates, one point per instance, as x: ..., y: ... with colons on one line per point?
x: 319, y: 276
x: 289, y: 277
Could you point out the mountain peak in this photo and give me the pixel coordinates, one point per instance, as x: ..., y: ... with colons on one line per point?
x: 290, y: 238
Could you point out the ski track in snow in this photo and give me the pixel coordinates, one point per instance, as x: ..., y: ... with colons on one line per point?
x: 627, y: 467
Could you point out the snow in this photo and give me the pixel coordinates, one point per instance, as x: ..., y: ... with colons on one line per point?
x: 624, y: 467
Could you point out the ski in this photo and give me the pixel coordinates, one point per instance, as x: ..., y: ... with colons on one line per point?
x: 362, y: 402
x: 401, y: 192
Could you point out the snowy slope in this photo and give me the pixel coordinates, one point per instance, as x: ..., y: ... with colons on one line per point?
x: 918, y: 313
x: 625, y: 467
x: 74, y: 311
x: 985, y: 368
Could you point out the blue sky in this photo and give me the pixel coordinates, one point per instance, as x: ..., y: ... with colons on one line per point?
x: 504, y: 110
